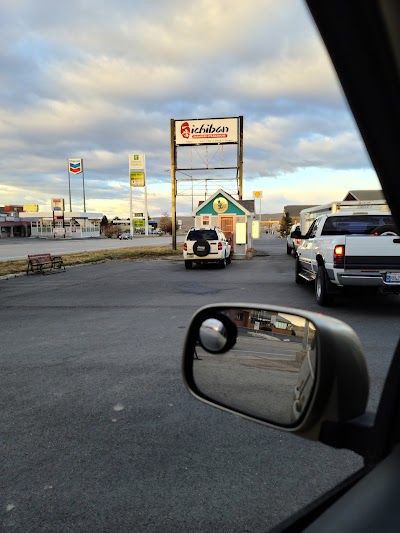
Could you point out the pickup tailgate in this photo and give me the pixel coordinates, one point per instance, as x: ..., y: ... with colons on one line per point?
x: 372, y: 253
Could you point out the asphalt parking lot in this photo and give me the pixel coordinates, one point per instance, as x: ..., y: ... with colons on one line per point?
x: 98, y: 430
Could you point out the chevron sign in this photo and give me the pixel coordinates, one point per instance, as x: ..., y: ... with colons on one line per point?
x: 75, y: 165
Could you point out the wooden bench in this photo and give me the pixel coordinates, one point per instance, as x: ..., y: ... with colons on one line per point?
x: 40, y: 262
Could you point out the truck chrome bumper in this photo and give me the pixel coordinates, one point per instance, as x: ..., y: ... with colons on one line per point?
x: 365, y: 280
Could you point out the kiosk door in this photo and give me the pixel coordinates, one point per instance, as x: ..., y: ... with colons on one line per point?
x: 226, y: 225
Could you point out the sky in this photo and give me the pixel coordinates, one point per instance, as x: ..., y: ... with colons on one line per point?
x: 99, y: 80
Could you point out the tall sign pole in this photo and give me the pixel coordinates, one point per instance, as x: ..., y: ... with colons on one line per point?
x: 259, y: 195
x: 146, y: 218
x: 240, y: 145
x: 69, y: 187
x: 130, y: 199
x: 173, y: 183
x: 204, y: 132
x: 137, y: 178
x: 83, y: 188
x: 75, y: 166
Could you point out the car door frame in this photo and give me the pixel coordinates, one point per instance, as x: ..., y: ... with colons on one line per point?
x: 363, y: 42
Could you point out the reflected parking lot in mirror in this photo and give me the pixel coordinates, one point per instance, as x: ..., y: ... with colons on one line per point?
x: 269, y: 372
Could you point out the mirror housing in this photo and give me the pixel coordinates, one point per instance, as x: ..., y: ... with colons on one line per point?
x: 340, y: 388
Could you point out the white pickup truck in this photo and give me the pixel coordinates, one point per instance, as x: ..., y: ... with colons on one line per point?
x: 349, y: 250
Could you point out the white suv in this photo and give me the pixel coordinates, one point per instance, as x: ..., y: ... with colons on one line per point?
x: 206, y: 245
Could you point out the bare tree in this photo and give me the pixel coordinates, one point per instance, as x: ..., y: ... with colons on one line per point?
x: 166, y: 223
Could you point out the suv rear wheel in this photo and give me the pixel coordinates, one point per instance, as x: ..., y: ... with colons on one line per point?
x: 222, y: 262
x: 188, y: 264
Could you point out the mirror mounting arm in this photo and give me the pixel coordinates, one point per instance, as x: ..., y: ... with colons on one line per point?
x: 355, y: 435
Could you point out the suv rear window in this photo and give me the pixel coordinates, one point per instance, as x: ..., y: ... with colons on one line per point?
x: 207, y: 234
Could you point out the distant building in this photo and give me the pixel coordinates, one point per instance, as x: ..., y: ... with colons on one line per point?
x: 63, y: 224
x: 364, y: 196
x: 234, y: 217
x: 294, y: 211
x: 359, y: 195
x: 11, y: 224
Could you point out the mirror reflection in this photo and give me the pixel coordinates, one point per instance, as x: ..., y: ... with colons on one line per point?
x: 218, y: 334
x: 268, y: 370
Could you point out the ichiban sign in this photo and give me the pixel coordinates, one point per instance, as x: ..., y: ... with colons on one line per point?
x: 206, y: 131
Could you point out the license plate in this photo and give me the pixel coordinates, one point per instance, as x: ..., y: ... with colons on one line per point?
x: 393, y: 277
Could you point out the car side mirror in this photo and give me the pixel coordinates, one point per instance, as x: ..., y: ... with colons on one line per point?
x: 229, y: 239
x: 296, y: 234
x: 283, y: 367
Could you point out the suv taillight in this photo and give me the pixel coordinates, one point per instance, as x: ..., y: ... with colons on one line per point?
x: 185, y: 247
x: 338, y: 255
x: 220, y: 246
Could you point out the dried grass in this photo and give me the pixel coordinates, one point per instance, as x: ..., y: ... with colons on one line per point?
x: 121, y: 254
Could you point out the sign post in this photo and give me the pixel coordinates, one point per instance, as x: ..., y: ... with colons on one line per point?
x: 258, y: 194
x: 203, y: 132
x: 137, y: 178
x: 75, y: 166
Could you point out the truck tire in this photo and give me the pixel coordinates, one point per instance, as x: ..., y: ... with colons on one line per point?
x: 297, y: 268
x: 323, y: 297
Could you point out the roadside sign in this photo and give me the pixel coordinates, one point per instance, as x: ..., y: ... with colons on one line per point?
x: 137, y: 179
x: 136, y: 162
x: 138, y: 223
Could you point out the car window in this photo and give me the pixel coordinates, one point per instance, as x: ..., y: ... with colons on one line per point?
x: 355, y: 224
x: 209, y: 235
x: 313, y: 228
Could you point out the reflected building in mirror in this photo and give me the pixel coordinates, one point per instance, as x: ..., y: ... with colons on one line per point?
x: 263, y: 321
x: 260, y: 362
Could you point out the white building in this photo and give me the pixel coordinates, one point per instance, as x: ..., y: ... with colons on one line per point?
x: 63, y: 224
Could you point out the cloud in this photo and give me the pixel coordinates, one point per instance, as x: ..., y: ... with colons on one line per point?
x: 86, y: 80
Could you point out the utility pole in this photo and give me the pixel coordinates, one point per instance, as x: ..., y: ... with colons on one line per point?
x: 173, y: 182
